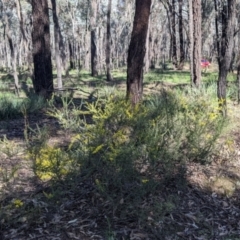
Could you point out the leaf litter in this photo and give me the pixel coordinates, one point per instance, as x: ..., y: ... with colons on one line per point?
x: 203, y: 212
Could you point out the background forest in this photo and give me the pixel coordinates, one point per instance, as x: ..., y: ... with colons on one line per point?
x: 119, y: 119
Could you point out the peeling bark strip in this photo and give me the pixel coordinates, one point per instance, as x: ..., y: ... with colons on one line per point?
x: 136, y: 52
x: 43, y: 78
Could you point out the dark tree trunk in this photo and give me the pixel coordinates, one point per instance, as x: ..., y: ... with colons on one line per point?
x: 238, y: 67
x: 71, y: 57
x: 228, y: 17
x: 172, y: 9
x: 181, y: 41
x: 238, y: 81
x: 108, y: 42
x: 136, y: 52
x: 43, y: 78
x: 94, y: 53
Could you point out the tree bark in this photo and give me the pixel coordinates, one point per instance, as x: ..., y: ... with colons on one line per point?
x: 238, y: 79
x: 108, y: 42
x: 238, y: 66
x: 43, y: 78
x: 137, y: 50
x: 94, y: 52
x: 228, y: 17
x: 172, y: 9
x: 57, y: 40
x: 20, y: 17
x: 181, y: 41
x: 13, y: 53
x: 195, y: 41
x: 71, y: 57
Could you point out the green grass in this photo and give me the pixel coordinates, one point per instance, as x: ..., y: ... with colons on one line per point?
x: 12, y: 106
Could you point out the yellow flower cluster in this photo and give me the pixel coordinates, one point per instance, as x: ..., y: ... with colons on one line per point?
x: 51, y: 162
x: 17, y: 203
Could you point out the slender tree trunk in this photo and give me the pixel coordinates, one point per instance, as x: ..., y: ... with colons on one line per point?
x: 43, y: 78
x: 87, y: 40
x: 172, y: 9
x: 8, y: 56
x: 57, y: 39
x: 191, y: 38
x: 217, y: 30
x: 20, y: 17
x: 147, y: 57
x: 238, y: 79
x: 238, y: 66
x: 195, y: 41
x: 71, y: 57
x: 94, y: 52
x: 228, y: 17
x: 87, y: 50
x: 108, y: 42
x: 137, y: 50
x: 181, y: 41
x: 13, y: 54
x: 101, y: 50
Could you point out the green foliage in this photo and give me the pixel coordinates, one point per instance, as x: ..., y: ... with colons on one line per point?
x: 8, y: 172
x: 50, y: 163
x: 8, y: 148
x: 67, y: 113
x: 9, y: 106
x: 168, y: 76
x: 12, y: 106
x: 129, y: 153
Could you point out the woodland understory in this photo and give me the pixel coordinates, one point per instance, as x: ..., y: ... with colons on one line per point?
x: 119, y: 119
x: 203, y: 203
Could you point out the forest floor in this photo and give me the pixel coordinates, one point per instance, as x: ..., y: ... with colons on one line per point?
x: 207, y: 206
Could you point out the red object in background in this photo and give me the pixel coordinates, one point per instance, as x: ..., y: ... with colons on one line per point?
x: 205, y: 63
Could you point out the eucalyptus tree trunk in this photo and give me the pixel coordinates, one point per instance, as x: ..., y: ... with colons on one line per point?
x: 195, y: 41
x: 147, y: 55
x: 238, y: 65
x: 190, y: 18
x: 71, y: 57
x: 20, y: 17
x: 43, y: 78
x: 108, y: 42
x: 101, y: 49
x: 238, y: 79
x: 13, y: 53
x: 172, y: 9
x: 226, y: 49
x: 181, y: 40
x: 57, y: 40
x: 87, y: 44
x: 137, y: 50
x: 93, y: 23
